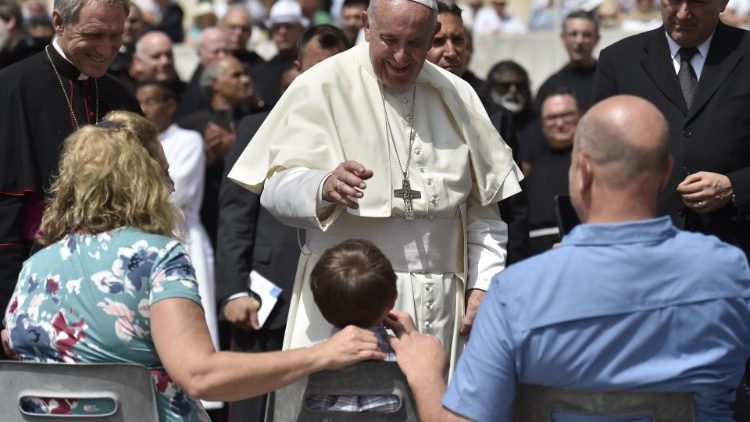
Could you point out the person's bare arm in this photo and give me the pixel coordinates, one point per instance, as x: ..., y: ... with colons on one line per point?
x: 184, y: 346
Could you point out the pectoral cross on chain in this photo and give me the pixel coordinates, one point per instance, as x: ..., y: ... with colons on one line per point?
x: 407, y: 195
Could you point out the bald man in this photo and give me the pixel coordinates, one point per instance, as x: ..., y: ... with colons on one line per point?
x: 154, y: 60
x: 626, y: 302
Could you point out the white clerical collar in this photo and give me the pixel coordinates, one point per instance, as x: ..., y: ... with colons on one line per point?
x: 56, y: 44
x: 697, y: 61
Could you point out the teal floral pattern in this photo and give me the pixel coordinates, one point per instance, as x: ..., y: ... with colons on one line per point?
x: 87, y: 298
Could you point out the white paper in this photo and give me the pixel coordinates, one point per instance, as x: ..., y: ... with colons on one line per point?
x: 267, y: 291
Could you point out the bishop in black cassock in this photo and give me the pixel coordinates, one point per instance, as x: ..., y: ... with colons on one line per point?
x: 35, y: 118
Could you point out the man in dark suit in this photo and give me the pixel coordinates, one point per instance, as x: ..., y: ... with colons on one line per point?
x: 250, y: 238
x: 695, y: 70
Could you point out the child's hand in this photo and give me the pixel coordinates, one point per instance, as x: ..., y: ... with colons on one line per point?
x: 399, y: 322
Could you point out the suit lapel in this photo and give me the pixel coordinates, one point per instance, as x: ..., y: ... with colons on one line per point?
x: 657, y: 63
x: 722, y: 59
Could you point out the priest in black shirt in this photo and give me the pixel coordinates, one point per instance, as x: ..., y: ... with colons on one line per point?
x: 549, y: 172
x: 43, y: 99
x: 580, y: 34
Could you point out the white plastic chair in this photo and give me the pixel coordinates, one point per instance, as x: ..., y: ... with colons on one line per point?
x: 128, y: 386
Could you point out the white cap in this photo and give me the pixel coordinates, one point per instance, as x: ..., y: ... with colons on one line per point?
x: 284, y: 11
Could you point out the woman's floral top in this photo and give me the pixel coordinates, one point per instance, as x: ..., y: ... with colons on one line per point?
x: 86, y: 298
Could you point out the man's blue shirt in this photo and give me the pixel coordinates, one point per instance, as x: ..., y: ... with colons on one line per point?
x: 632, y: 306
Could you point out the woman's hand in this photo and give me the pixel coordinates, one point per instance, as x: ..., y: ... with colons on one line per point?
x: 349, y: 346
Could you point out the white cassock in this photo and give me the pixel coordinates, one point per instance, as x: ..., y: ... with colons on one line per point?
x: 462, y: 168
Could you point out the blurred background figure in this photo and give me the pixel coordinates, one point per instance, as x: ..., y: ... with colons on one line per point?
x: 580, y: 34
x: 350, y: 19
x: 15, y: 42
x: 134, y: 29
x: 469, y: 12
x: 644, y: 17
x: 165, y: 16
x: 212, y: 45
x: 737, y: 13
x: 508, y: 85
x: 494, y: 19
x: 315, y: 14
x: 40, y: 28
x: 286, y: 23
x: 237, y: 24
x: 35, y: 9
x: 257, y: 9
x: 154, y: 59
x: 203, y: 17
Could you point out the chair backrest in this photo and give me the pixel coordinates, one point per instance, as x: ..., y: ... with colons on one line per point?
x: 536, y: 403
x: 127, y: 387
x: 364, y: 378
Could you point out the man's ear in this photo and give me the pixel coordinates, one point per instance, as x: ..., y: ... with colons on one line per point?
x: 57, y: 22
x: 366, y: 23
x: 586, y: 173
x: 11, y: 23
x: 298, y: 66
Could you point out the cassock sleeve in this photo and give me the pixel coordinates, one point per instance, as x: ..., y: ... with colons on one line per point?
x: 486, y: 240
x: 292, y: 197
x: 187, y: 168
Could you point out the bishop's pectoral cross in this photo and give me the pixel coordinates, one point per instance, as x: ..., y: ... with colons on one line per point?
x: 407, y: 195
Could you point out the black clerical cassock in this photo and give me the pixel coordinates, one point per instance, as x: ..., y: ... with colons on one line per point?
x: 35, y: 119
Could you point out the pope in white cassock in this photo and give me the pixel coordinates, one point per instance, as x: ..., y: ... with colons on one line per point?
x: 376, y: 143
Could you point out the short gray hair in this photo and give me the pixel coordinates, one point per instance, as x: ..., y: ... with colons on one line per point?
x: 70, y: 10
x: 212, y: 72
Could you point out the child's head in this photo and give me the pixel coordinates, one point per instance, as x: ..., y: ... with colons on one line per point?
x: 354, y: 283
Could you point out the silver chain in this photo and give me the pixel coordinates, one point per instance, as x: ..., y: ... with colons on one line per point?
x: 412, y: 134
x: 65, y: 93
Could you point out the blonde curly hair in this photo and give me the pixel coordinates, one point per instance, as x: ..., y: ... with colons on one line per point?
x: 109, y: 178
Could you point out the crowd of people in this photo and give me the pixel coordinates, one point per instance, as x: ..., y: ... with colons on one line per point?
x: 198, y: 227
